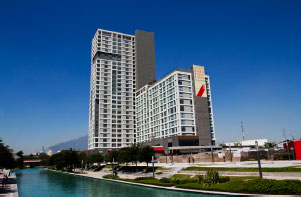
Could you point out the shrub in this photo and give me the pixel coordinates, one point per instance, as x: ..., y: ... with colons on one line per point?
x: 148, y: 169
x: 251, y: 185
x: 286, y: 156
x: 155, y: 182
x: 224, y: 179
x: 165, y: 180
x: 159, y: 173
x: 180, y: 176
x: 144, y: 178
x: 183, y: 178
x: 201, y: 178
x: 211, y: 177
x: 110, y: 176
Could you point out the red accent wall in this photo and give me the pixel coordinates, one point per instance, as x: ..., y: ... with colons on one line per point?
x: 201, y: 91
x: 158, y: 149
x: 297, y: 147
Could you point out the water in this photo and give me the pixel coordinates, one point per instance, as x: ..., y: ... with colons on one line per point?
x: 42, y: 182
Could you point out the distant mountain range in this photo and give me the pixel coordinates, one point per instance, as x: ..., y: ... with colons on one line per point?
x: 76, y: 144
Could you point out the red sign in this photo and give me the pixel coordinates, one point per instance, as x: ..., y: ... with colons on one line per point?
x: 158, y: 149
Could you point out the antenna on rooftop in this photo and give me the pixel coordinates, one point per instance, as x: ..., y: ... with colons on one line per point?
x: 242, y: 130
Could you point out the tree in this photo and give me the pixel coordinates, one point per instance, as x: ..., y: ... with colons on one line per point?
x: 20, y: 160
x: 112, y: 155
x: 133, y: 153
x: 83, y: 159
x: 96, y: 158
x: 123, y: 155
x: 65, y: 159
x: 268, y: 145
x: 145, y: 154
x: 6, y: 156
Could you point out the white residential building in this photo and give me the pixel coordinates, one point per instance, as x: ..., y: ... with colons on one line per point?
x: 171, y: 106
x: 115, y: 62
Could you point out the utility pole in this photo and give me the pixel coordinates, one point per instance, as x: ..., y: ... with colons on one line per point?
x: 258, y: 158
x: 287, y: 149
x: 242, y: 130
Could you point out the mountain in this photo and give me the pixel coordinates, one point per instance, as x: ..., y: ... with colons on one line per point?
x: 76, y: 144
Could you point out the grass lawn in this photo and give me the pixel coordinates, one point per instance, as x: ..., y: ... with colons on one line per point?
x: 162, y: 168
x: 181, y: 177
x: 285, y: 169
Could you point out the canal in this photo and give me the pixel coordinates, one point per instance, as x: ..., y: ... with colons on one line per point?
x: 42, y: 182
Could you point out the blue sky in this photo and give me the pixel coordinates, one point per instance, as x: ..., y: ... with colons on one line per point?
x: 250, y: 49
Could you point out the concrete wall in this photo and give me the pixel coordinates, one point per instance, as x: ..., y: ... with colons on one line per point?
x: 201, y: 117
x: 223, y: 157
x: 145, y: 58
x: 201, y: 157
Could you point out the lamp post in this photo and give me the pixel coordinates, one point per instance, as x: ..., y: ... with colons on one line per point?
x: 113, y: 166
x: 153, y: 166
x: 230, y: 153
x: 258, y: 158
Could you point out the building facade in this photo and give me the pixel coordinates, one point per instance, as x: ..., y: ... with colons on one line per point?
x: 120, y: 63
x: 176, y: 110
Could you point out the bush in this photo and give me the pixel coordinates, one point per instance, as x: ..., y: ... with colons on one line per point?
x: 110, y: 176
x: 183, y: 178
x: 180, y: 176
x: 159, y: 173
x: 211, y: 177
x: 201, y: 178
x: 154, y: 182
x: 250, y: 185
x: 144, y: 178
x: 286, y: 157
x: 165, y: 180
x: 148, y: 169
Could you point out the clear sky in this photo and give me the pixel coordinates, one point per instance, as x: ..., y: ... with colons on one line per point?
x: 251, y: 50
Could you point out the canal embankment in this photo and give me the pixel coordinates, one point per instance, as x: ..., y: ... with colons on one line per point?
x: 226, y: 186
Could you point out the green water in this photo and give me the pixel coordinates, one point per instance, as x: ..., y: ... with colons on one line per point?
x: 42, y: 182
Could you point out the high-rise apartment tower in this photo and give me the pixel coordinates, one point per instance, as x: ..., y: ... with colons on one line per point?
x: 120, y: 64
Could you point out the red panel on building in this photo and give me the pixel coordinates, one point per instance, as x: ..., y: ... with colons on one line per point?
x: 201, y: 91
x: 158, y: 149
x: 297, y: 148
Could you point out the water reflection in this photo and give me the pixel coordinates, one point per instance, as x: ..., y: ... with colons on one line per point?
x: 40, y: 182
